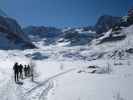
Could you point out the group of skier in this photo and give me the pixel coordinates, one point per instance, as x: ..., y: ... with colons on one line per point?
x: 21, y: 71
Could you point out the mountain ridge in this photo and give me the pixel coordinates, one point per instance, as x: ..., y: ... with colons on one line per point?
x: 12, y: 35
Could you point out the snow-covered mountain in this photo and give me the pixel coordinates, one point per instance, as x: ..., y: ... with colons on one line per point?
x: 105, y: 22
x: 70, y: 36
x: 55, y: 36
x: 79, y: 36
x: 50, y: 35
x: 46, y: 35
x: 114, y: 44
x: 42, y: 31
x: 12, y: 36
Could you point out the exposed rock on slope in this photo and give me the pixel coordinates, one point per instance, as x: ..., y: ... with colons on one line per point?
x: 106, y: 22
x: 12, y: 36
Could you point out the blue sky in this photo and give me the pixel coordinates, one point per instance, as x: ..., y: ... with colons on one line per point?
x: 63, y: 13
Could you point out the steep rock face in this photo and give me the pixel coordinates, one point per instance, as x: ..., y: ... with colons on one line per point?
x: 117, y: 31
x: 12, y: 36
x: 106, y: 22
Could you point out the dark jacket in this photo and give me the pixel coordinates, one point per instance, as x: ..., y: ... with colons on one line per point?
x: 15, y: 67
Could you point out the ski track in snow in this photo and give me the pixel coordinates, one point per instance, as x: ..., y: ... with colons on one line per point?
x: 41, y: 92
x: 42, y: 89
x: 11, y: 91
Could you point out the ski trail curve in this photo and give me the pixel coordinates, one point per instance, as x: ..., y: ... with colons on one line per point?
x: 41, y: 92
x: 42, y: 89
x: 50, y: 78
x: 43, y: 95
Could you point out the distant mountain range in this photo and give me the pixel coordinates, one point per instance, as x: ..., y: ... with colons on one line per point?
x: 75, y: 36
x: 12, y: 36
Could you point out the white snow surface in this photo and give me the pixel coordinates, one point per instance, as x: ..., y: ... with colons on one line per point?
x: 65, y: 73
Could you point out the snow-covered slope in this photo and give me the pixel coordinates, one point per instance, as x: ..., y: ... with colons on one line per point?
x: 115, y: 44
x: 73, y: 73
x: 112, y: 74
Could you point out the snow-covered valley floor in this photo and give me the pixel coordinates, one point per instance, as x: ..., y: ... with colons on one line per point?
x: 60, y: 77
x: 96, y: 72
